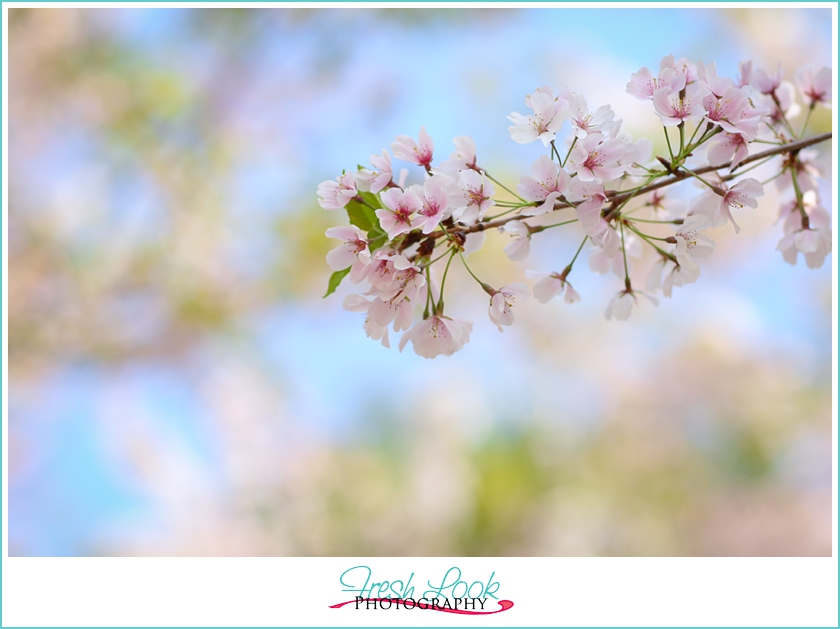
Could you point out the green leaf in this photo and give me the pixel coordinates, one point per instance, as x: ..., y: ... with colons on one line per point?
x: 372, y: 199
x: 335, y: 280
x: 360, y: 215
x: 376, y: 238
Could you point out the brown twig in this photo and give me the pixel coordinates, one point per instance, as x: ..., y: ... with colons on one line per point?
x: 616, y: 196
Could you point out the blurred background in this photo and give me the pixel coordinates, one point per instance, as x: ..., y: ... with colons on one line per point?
x: 179, y: 387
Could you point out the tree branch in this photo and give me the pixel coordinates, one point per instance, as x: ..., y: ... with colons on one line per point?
x: 617, y: 196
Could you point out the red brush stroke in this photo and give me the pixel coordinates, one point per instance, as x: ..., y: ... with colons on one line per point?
x: 505, y: 605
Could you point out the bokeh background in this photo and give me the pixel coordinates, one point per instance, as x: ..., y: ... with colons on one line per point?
x: 179, y: 387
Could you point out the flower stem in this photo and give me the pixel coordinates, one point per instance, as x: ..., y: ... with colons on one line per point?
x: 668, y: 140
x: 539, y: 228
x: 499, y: 183
x: 572, y: 263
x: 676, y: 221
x: 624, y: 253
x: 807, y: 119
x: 469, y: 270
x: 439, y: 308
x: 569, y: 152
x: 663, y: 253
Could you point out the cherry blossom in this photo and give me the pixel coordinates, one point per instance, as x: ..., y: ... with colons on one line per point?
x: 406, y: 149
x: 675, y: 275
x: 548, y: 182
x: 434, y: 197
x: 520, y: 247
x: 682, y: 67
x: 583, y: 121
x: 622, y: 304
x: 502, y: 302
x: 596, y: 158
x: 398, y: 310
x: 357, y: 303
x: 438, y: 335
x: 544, y: 123
x: 725, y: 110
x: 816, y: 87
x: 590, y: 197
x: 472, y: 197
x: 690, y: 242
x: 549, y: 285
x: 743, y: 193
x: 353, y: 251
x: 673, y: 109
x: 334, y: 195
x: 809, y: 170
x: 462, y: 158
x: 603, y: 188
x: 766, y: 83
x: 716, y: 85
x: 809, y: 235
x: 728, y: 148
x: 376, y: 181
x: 643, y: 84
x: 398, y: 216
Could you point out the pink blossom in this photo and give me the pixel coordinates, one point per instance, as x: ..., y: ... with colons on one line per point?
x: 336, y: 194
x: 623, y: 303
x: 438, y: 335
x: 811, y: 238
x: 681, y: 66
x: 597, y: 159
x: 407, y: 282
x: 643, y: 84
x: 690, y: 242
x: 716, y: 85
x: 746, y: 72
x: 547, y: 184
x: 464, y: 151
x: 462, y: 158
x: 591, y: 198
x: 766, y: 83
x: 406, y: 149
x: 383, y: 269
x: 544, y: 123
x: 814, y: 87
x: 809, y: 170
x: 376, y: 181
x: 672, y: 109
x: 399, y: 212
x: 357, y: 303
x: 608, y: 256
x: 813, y: 242
x: 502, y: 302
x: 728, y: 148
x: 472, y: 197
x: 520, y: 248
x: 549, y: 285
x: 354, y: 251
x: 583, y: 121
x: 743, y: 193
x: 725, y: 110
x: 787, y: 107
x: 675, y: 275
x: 397, y: 309
x: 434, y: 196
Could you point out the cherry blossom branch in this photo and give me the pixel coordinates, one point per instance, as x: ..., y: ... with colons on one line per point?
x: 395, y: 229
x: 679, y: 175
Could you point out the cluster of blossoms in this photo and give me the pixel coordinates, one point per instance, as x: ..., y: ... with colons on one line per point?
x: 599, y: 178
